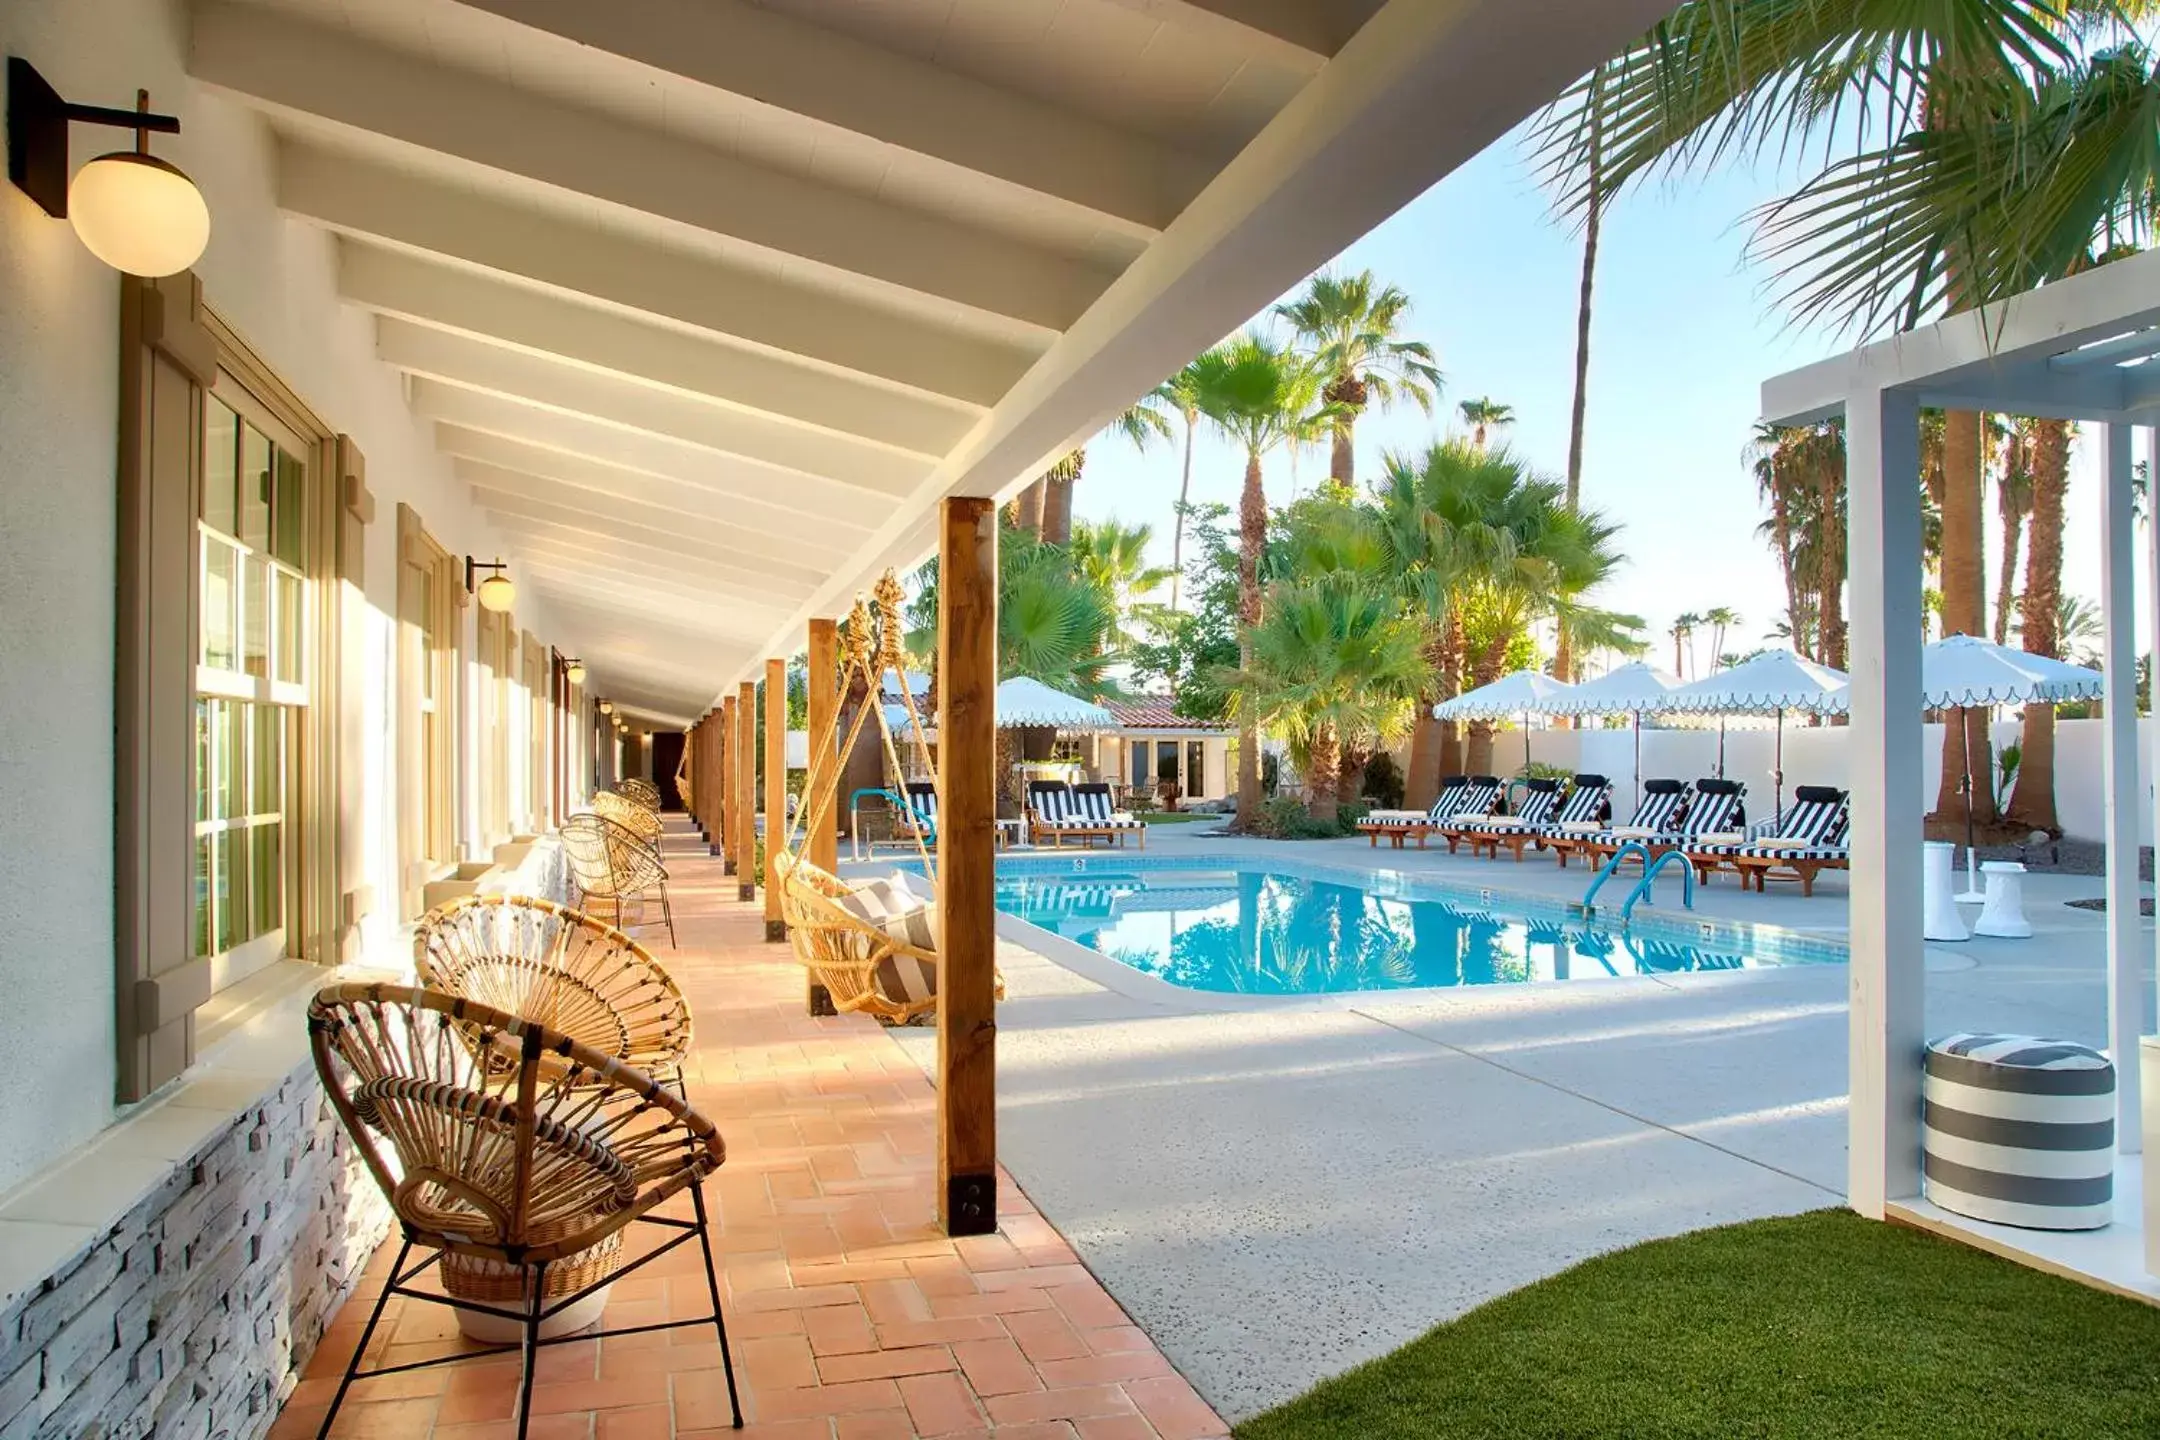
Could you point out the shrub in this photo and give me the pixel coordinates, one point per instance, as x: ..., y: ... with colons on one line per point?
x: 1383, y: 782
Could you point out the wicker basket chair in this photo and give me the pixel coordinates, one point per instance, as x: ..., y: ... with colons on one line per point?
x: 518, y: 1179
x: 632, y: 815
x: 556, y: 967
x: 862, y: 965
x: 610, y: 866
x: 643, y: 792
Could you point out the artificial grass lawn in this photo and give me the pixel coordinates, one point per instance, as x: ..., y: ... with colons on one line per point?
x: 1812, y: 1326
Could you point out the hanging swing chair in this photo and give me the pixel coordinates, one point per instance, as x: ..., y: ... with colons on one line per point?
x: 873, y: 945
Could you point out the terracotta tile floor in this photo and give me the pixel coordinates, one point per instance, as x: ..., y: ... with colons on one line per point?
x: 852, y: 1317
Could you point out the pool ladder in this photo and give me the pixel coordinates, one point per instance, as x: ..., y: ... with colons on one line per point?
x: 1652, y: 864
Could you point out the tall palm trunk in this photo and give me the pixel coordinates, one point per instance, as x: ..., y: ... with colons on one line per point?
x: 1564, y: 649
x: 1966, y: 749
x: 1058, y: 497
x: 1478, y: 759
x: 1028, y: 509
x: 1421, y: 781
x: 1252, y: 537
x: 1451, y: 734
x: 1348, y: 392
x: 1324, y: 764
x: 2006, y: 583
x: 1830, y: 635
x: 2038, y: 616
x: 1184, y: 497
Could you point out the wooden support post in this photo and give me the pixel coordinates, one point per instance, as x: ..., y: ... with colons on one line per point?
x: 821, y: 842
x: 700, y: 737
x: 967, y: 866
x: 2128, y: 953
x: 726, y: 775
x: 745, y: 795
x: 775, y: 787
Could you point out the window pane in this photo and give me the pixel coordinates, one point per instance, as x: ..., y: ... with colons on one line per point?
x: 229, y: 886
x: 1195, y: 767
x: 255, y: 488
x: 266, y: 777
x: 255, y: 615
x: 205, y: 723
x: 1139, y: 762
x: 223, y: 749
x: 289, y: 511
x: 221, y: 432
x: 204, y: 844
x: 266, y: 872
x: 220, y: 598
x: 291, y: 613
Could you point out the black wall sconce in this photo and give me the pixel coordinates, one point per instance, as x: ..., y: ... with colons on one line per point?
x: 132, y: 210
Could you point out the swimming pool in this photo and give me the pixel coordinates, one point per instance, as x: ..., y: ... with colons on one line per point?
x: 1280, y: 927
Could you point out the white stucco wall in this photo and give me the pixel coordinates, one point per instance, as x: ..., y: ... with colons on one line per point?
x: 274, y: 282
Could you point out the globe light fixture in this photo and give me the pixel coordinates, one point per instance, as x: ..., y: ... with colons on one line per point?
x: 496, y: 592
x: 132, y: 210
x: 574, y: 671
x: 607, y: 707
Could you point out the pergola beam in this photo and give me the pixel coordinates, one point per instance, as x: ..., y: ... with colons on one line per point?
x: 309, y: 69
x: 511, y: 505
x: 756, y: 495
x: 831, y: 77
x: 1299, y: 32
x: 476, y: 304
x: 575, y: 544
x: 634, y: 405
x: 691, y: 515
x: 758, y: 305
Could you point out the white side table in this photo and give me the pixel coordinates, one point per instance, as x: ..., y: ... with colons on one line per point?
x: 2003, y: 912
x: 1941, y: 920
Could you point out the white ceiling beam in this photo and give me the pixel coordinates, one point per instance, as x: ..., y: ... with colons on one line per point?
x: 573, y: 548
x: 358, y: 197
x: 469, y: 302
x: 291, y: 64
x: 551, y: 581
x: 727, y: 523
x: 633, y: 404
x: 1300, y: 32
x: 1419, y: 90
x: 689, y: 550
x: 540, y: 428
x: 781, y: 514
x: 832, y: 77
x: 598, y: 572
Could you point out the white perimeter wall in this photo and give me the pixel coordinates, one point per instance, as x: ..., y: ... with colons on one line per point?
x: 1816, y: 756
x: 273, y: 281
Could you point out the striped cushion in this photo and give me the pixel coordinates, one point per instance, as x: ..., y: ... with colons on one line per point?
x: 922, y: 802
x: 1536, y: 809
x: 2019, y: 1131
x: 907, y: 917
x: 1652, y: 817
x: 1713, y: 809
x: 1589, y: 800
x: 1088, y: 808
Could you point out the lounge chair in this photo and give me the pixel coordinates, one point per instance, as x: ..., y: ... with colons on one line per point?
x: 1806, y: 840
x: 916, y: 816
x: 1653, y: 817
x: 1715, y: 810
x: 1396, y: 823
x: 1080, y: 812
x: 1539, y: 804
x: 1477, y: 796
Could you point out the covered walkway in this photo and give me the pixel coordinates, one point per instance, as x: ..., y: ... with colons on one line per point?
x: 851, y: 1313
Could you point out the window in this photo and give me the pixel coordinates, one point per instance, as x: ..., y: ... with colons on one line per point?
x: 251, y: 680
x: 431, y: 590
x: 1140, y: 752
x: 1196, y: 769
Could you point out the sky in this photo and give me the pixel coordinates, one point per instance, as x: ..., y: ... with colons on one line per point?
x: 1684, y: 332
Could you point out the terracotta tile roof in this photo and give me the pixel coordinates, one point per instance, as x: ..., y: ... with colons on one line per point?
x: 1153, y: 712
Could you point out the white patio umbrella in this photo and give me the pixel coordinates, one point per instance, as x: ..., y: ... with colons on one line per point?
x: 1524, y: 693
x: 1633, y: 690
x: 1770, y: 684
x: 1964, y: 670
x: 1024, y: 702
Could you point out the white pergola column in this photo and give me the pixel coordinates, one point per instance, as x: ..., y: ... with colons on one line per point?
x: 2119, y: 769
x: 1886, y: 980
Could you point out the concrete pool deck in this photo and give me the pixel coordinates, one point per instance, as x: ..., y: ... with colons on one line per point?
x: 1277, y: 1194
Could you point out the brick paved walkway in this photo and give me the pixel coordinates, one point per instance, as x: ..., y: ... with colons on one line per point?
x: 852, y: 1317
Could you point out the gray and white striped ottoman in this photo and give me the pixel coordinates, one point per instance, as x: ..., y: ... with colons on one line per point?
x: 2019, y: 1131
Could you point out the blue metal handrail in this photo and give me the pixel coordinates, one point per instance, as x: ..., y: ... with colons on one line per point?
x: 1597, y: 883
x: 1650, y: 873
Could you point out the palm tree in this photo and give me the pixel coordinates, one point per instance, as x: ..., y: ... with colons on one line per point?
x: 1044, y: 508
x: 1483, y: 415
x: 1683, y: 641
x: 2040, y: 618
x: 1260, y: 397
x: 1720, y: 619
x: 1350, y: 326
x: 1178, y: 393
x: 1993, y: 147
x: 1334, y: 660
x: 1114, y: 557
x: 2013, y: 503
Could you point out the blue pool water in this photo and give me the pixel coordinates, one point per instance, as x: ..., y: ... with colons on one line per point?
x: 1290, y: 930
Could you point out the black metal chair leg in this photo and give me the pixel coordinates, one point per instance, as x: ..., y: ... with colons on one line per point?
x: 667, y: 913
x: 382, y: 1301
x: 712, y: 1283
x: 532, y: 1347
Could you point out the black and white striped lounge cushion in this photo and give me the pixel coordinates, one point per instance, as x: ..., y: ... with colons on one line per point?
x: 907, y: 917
x: 1661, y: 800
x: 1587, y: 803
x: 1087, y: 807
x: 1451, y: 794
x: 1719, y: 805
x: 922, y: 804
x: 2019, y: 1131
x: 1540, y: 799
x: 1812, y: 829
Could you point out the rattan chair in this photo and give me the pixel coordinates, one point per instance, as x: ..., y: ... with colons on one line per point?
x: 630, y: 814
x: 610, y: 866
x: 644, y: 792
x: 517, y: 1176
x: 556, y: 967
